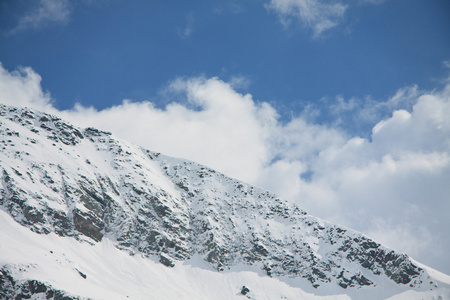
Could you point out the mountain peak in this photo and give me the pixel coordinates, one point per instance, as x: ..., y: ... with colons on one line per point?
x: 90, y: 186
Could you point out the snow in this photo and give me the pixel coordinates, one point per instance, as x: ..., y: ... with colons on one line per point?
x: 237, y: 215
x: 114, y: 274
x: 439, y: 294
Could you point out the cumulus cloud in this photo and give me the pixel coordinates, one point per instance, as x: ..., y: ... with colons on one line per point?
x: 22, y: 87
x: 400, y: 177
x: 392, y: 185
x: 216, y: 126
x: 45, y: 12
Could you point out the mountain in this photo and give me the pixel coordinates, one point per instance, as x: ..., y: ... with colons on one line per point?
x: 87, y: 215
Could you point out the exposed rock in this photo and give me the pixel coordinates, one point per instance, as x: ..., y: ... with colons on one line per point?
x: 166, y: 260
x: 28, y: 289
x: 88, y: 183
x: 245, y: 290
x: 88, y: 224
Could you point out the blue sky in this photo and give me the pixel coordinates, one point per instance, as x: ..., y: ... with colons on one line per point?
x: 340, y: 106
x: 100, y: 53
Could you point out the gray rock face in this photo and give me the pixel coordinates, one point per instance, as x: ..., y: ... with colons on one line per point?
x: 28, y: 289
x: 87, y: 184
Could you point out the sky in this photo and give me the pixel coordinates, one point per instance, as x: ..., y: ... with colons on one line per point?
x: 339, y: 106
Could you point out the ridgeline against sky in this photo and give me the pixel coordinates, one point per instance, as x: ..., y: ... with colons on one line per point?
x: 339, y: 106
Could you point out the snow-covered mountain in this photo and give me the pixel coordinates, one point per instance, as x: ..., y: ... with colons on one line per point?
x: 86, y: 215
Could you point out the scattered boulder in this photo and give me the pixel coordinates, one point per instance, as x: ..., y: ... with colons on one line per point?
x: 244, y: 290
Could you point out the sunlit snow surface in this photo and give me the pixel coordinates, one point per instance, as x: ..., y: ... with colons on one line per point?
x: 44, y: 165
x: 114, y: 274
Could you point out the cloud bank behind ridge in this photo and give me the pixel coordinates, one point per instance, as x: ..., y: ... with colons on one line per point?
x: 392, y: 186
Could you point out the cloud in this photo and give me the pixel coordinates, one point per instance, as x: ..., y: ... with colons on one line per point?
x: 45, y: 12
x: 375, y: 2
x: 216, y: 126
x: 186, y: 32
x: 231, y: 6
x: 239, y: 82
x: 359, y: 115
x: 317, y: 15
x: 413, y: 239
x: 22, y: 87
x: 399, y: 177
x: 391, y: 185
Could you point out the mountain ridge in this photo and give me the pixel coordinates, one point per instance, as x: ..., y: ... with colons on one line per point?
x: 88, y: 185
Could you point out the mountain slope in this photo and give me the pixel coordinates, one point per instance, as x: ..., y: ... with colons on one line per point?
x: 92, y: 190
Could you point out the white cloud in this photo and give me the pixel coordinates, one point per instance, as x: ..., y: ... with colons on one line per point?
x: 239, y: 82
x: 393, y: 186
x: 401, y: 177
x: 318, y: 15
x: 427, y: 128
x: 358, y: 116
x: 22, y: 88
x: 218, y: 126
x: 412, y: 239
x: 46, y: 11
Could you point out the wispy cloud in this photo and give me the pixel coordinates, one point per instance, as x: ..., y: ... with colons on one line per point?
x: 43, y: 13
x: 187, y: 30
x: 359, y: 115
x: 393, y: 186
x: 375, y: 2
x: 231, y: 6
x: 317, y: 15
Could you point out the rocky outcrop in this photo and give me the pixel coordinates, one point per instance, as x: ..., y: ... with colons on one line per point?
x: 86, y: 184
x: 28, y: 289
